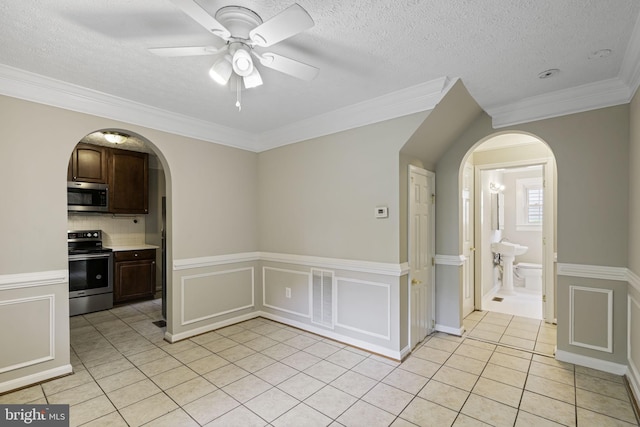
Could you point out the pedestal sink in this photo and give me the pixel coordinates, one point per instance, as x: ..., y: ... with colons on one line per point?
x: 508, y: 252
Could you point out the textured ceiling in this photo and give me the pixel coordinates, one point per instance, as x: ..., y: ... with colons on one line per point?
x: 363, y: 48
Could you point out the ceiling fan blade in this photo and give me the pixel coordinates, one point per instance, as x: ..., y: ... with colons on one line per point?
x: 288, y: 66
x: 287, y: 23
x: 198, y: 14
x: 186, y: 51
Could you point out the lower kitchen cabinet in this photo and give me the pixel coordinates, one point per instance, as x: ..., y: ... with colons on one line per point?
x: 135, y: 275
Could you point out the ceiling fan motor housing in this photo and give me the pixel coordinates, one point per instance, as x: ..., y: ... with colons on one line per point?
x: 238, y: 20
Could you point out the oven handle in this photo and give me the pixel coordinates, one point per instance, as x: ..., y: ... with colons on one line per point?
x: 83, y: 257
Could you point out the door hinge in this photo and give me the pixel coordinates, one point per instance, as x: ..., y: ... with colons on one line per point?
x: 433, y: 261
x: 544, y: 298
x: 433, y: 199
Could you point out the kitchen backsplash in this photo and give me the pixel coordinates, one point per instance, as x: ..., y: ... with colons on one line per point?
x: 116, y: 230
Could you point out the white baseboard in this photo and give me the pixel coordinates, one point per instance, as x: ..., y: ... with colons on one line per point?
x: 172, y: 338
x: 35, y: 378
x: 634, y: 380
x: 396, y: 355
x: 392, y: 354
x: 405, y: 352
x: 591, y: 362
x: 449, y: 330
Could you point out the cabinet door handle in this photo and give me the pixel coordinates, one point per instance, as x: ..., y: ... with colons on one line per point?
x: 135, y: 254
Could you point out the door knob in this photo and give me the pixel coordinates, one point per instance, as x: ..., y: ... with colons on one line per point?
x: 472, y: 249
x: 415, y: 281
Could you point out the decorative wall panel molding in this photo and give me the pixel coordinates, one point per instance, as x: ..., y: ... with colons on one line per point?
x: 592, y: 271
x: 29, y: 345
x: 306, y: 283
x: 217, y: 290
x: 28, y: 280
x: 369, y: 310
x: 212, y: 261
x: 387, y: 269
x: 384, y: 268
x: 573, y: 292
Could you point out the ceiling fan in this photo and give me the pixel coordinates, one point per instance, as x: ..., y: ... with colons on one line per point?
x: 243, y: 30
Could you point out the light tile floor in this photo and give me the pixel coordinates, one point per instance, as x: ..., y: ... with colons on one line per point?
x: 259, y: 373
x: 516, y: 331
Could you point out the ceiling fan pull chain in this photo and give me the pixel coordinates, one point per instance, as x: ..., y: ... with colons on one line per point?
x: 238, y: 94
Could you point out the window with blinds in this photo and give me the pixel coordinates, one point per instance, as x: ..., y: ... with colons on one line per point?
x: 529, y: 204
x: 534, y: 205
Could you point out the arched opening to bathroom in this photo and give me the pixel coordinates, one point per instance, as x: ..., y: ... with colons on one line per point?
x: 119, y: 232
x: 507, y: 231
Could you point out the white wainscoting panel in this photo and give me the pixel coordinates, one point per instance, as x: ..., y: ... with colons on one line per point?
x: 208, y: 295
x: 592, y: 319
x: 28, y: 331
x: 633, y: 344
x: 274, y: 283
x: 363, y: 306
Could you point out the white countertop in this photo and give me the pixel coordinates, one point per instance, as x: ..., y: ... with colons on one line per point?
x: 138, y: 247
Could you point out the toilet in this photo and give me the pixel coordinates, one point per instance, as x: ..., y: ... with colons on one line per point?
x: 530, y: 275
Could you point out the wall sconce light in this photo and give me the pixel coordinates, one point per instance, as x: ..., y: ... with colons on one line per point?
x: 115, y: 137
x: 495, y: 188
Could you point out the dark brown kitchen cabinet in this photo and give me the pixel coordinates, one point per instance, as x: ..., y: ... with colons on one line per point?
x: 88, y: 163
x: 128, y: 182
x: 135, y: 275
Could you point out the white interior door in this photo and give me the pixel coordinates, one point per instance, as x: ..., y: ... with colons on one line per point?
x: 468, y: 249
x: 421, y: 239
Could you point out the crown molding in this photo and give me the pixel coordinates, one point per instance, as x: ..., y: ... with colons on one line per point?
x: 630, y: 70
x: 414, y: 99
x: 33, y: 87
x: 601, y: 94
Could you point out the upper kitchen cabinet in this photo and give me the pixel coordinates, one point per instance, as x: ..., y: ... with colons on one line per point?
x: 88, y: 163
x: 128, y: 182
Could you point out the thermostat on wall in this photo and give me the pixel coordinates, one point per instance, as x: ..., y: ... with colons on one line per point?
x: 382, y: 212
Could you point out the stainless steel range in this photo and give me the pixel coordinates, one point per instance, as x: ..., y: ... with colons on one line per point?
x: 90, y: 272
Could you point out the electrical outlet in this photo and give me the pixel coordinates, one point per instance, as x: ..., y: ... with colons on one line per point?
x: 287, y: 292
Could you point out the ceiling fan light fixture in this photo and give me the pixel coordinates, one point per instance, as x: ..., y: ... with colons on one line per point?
x: 252, y: 80
x: 242, y: 63
x: 221, y: 70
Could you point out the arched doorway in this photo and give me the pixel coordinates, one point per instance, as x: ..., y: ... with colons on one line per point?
x: 507, y: 232
x: 135, y: 224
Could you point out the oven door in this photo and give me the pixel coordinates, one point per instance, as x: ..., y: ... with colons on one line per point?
x: 90, y: 274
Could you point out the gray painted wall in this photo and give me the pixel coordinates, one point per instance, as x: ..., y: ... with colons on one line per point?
x: 591, y: 150
x: 212, y: 202
x: 318, y: 197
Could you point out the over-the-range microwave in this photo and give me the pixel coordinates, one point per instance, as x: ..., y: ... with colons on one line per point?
x: 87, y: 197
